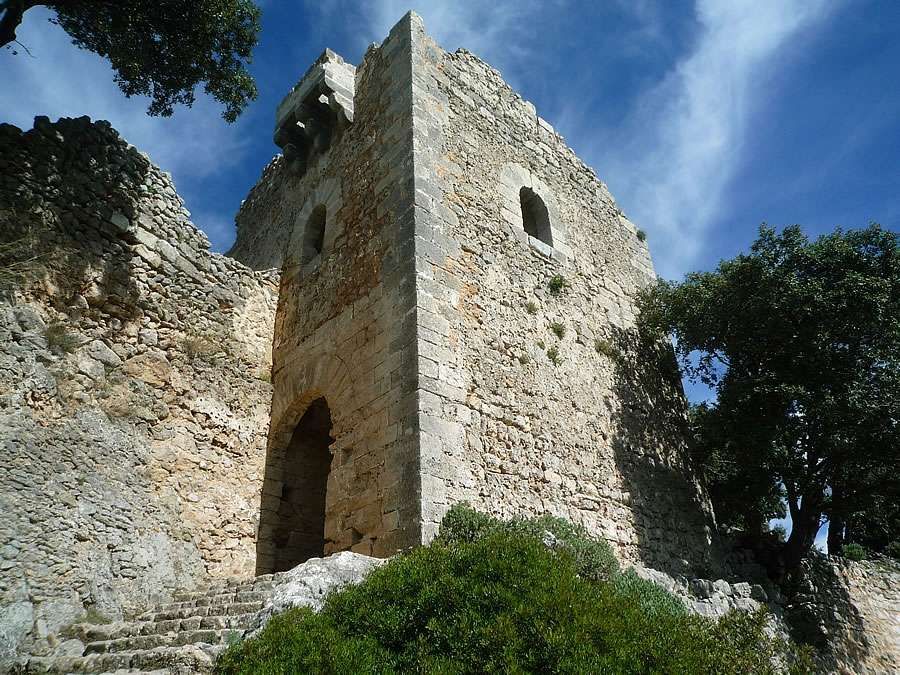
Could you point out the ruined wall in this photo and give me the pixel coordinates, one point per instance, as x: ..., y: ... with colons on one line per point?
x: 134, y: 395
x: 531, y: 400
x: 850, y: 611
x: 345, y: 326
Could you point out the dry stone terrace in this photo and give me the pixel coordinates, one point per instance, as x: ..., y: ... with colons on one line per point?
x: 430, y: 299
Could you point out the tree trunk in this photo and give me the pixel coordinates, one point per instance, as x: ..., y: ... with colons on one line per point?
x: 803, y: 533
x: 835, y: 533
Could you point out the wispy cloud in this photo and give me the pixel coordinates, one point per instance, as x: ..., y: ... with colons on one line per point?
x: 672, y: 160
x: 59, y: 80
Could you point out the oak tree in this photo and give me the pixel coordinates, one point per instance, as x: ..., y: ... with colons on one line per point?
x: 162, y: 49
x: 800, y: 340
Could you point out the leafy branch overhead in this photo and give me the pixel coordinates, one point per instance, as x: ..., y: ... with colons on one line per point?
x: 162, y: 49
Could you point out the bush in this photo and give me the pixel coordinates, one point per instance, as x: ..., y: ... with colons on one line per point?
x: 558, y: 329
x: 853, y: 551
x: 557, y: 284
x: 490, y: 597
x: 642, y: 235
x: 607, y: 349
x: 59, y: 339
x: 553, y: 355
x: 892, y: 550
x: 593, y: 557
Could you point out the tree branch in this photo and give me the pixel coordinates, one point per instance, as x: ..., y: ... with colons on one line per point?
x: 12, y: 18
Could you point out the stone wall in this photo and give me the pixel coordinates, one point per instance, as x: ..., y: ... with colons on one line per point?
x: 345, y: 326
x: 850, y: 611
x: 534, y: 395
x: 427, y: 321
x: 134, y: 394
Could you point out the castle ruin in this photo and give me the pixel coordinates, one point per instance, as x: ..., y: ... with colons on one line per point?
x: 430, y: 300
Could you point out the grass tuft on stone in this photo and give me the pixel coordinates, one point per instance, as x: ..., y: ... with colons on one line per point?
x: 553, y: 355
x: 60, y: 339
x: 535, y: 595
x: 558, y: 329
x: 557, y: 284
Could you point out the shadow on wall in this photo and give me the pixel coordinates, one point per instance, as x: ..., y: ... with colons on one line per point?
x: 821, y: 613
x: 673, y: 522
x: 672, y: 516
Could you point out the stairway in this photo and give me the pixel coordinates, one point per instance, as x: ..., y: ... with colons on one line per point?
x: 182, y: 637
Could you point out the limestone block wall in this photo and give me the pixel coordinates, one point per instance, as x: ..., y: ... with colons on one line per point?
x: 134, y: 386
x: 345, y: 328
x: 850, y: 611
x: 532, y: 400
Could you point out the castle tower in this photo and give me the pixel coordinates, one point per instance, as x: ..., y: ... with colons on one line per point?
x: 455, y: 321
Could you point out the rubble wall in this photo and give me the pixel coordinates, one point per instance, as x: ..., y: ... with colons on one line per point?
x: 134, y: 386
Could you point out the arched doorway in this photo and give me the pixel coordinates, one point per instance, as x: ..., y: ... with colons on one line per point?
x: 292, y: 518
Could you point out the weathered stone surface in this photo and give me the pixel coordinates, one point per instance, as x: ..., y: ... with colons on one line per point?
x: 309, y: 583
x: 118, y: 483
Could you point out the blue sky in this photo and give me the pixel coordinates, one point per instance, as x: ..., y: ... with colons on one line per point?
x: 704, y: 118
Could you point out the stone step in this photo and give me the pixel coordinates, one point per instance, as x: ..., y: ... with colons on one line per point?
x: 218, y: 599
x: 249, y: 586
x: 180, y: 660
x: 135, y: 643
x: 206, y: 610
x: 113, y: 631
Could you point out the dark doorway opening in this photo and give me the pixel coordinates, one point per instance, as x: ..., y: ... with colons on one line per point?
x: 292, y: 519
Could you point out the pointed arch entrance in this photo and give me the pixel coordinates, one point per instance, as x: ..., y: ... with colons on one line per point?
x: 292, y: 518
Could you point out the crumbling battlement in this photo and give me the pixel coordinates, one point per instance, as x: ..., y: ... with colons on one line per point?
x: 134, y: 393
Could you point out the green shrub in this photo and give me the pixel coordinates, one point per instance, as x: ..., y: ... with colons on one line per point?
x: 607, y: 349
x: 853, y: 551
x: 553, y: 355
x: 593, y: 557
x: 893, y: 549
x: 558, y: 329
x: 642, y: 235
x: 20, y: 259
x: 531, y: 307
x: 557, y: 284
x: 197, y: 347
x: 491, y: 597
x: 60, y: 339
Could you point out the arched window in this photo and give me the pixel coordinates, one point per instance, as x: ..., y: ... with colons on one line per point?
x: 314, y: 234
x: 535, y: 217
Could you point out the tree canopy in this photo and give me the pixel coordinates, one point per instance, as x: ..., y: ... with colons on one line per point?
x: 162, y: 49
x: 800, y: 340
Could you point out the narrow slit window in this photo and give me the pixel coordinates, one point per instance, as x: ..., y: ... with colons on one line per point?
x: 535, y: 216
x: 314, y: 235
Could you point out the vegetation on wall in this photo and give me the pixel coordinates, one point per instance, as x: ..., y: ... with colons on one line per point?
x: 162, y: 49
x: 801, y: 341
x: 526, y: 596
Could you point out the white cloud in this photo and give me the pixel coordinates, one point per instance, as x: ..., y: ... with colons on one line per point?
x: 59, y: 80
x: 683, y: 143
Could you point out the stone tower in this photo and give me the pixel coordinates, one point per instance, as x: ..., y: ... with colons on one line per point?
x: 454, y: 321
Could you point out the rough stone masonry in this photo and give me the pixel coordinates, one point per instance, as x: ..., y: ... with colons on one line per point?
x: 430, y: 300
x: 457, y: 289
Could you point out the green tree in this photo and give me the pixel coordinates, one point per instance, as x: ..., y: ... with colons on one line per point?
x: 801, y: 342
x: 161, y: 49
